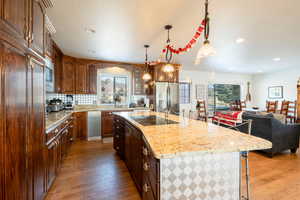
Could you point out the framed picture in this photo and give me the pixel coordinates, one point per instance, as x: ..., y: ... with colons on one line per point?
x: 275, y: 92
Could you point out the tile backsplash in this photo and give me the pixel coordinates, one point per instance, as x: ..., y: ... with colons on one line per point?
x: 81, y: 99
x: 89, y: 99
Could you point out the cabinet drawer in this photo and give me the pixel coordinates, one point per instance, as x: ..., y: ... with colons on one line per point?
x: 147, y: 192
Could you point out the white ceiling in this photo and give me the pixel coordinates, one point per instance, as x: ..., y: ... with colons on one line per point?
x: 270, y: 28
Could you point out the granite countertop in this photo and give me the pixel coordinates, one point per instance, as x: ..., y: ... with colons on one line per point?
x: 55, y: 118
x: 190, y: 137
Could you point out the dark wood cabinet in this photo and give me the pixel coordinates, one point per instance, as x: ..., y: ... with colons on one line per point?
x: 80, y: 125
x: 298, y: 102
x: 161, y: 76
x: 68, y: 75
x: 37, y: 32
x: 138, y: 82
x: 13, y: 123
x: 92, y: 79
x: 132, y: 147
x: 57, y: 62
x: 37, y: 136
x: 106, y: 124
x: 81, y: 73
x: 15, y: 17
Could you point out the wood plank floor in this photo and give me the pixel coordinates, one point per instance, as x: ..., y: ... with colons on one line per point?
x: 92, y: 171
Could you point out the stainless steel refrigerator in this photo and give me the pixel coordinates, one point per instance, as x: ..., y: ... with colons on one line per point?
x: 167, y: 96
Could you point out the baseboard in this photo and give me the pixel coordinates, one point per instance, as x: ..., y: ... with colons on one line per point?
x: 94, y: 138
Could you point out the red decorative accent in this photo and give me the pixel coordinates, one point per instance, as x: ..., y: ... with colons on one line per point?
x: 190, y: 44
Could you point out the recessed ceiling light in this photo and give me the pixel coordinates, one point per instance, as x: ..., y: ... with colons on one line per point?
x: 240, y: 40
x: 259, y: 71
x: 90, y: 30
x: 276, y: 59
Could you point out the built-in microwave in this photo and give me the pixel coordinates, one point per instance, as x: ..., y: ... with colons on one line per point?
x: 49, y: 76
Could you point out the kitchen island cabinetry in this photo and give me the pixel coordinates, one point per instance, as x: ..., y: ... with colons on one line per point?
x: 167, y: 157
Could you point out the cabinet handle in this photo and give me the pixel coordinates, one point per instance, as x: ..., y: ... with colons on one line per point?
x: 117, y: 136
x: 56, y: 131
x: 146, y: 166
x: 66, y: 122
x: 145, y: 151
x: 145, y: 187
x: 117, y: 147
x: 118, y: 120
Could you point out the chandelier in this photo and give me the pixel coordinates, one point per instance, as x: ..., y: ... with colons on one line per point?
x: 207, y: 49
x: 146, y: 76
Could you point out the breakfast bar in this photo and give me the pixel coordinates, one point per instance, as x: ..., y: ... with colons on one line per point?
x: 174, y: 158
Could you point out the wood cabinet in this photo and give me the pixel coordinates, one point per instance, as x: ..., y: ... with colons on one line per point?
x: 36, y: 140
x: 80, y: 125
x: 13, y: 124
x: 161, y: 76
x: 138, y: 82
x: 81, y: 75
x: 48, y: 44
x: 15, y: 18
x: 68, y: 75
x: 106, y: 124
x: 92, y: 79
x: 119, y: 136
x: 37, y: 32
x: 57, y: 62
x: 57, y: 145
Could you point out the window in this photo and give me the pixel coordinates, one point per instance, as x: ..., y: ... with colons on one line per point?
x: 184, y: 93
x: 221, y: 95
x: 114, y: 89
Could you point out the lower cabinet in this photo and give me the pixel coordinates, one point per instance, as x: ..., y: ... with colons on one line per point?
x: 132, y: 147
x: 80, y: 125
x: 57, y: 147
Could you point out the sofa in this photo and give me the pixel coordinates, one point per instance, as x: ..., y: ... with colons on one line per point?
x: 283, y: 136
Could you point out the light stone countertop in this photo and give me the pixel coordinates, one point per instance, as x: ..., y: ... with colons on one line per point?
x: 193, y: 137
x: 56, y: 118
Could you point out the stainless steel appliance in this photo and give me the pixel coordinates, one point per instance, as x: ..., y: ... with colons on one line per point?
x: 70, y: 102
x: 55, y: 105
x: 49, y: 76
x: 167, y: 97
x: 94, y: 125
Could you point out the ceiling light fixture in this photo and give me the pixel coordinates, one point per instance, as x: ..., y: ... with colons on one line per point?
x: 240, y: 40
x: 146, y: 76
x: 90, y: 30
x: 168, y: 68
x: 276, y: 59
x: 207, y: 49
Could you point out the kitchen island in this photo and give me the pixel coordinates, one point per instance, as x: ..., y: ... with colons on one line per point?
x: 179, y: 158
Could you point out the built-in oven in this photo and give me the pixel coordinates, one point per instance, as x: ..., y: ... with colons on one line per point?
x: 49, y: 76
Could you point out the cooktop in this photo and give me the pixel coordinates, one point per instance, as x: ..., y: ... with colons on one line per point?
x: 151, y: 120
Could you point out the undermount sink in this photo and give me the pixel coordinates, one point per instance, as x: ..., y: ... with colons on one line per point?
x: 152, y: 120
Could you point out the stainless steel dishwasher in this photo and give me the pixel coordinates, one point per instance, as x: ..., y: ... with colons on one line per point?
x: 94, y: 125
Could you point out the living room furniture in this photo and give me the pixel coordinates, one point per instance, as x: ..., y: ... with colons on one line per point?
x: 284, y: 107
x: 236, y: 105
x: 271, y: 106
x: 201, y: 108
x: 243, y: 105
x: 283, y: 136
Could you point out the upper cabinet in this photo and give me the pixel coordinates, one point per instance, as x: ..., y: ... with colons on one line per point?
x: 48, y: 44
x: 161, y: 76
x: 81, y: 72
x: 15, y: 18
x: 138, y: 82
x: 92, y: 79
x: 57, y: 62
x: 68, y: 75
x: 37, y: 33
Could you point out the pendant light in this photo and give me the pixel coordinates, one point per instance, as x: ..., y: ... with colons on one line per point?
x: 146, y: 76
x: 206, y: 50
x: 168, y: 68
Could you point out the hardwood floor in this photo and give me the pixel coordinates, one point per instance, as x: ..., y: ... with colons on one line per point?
x: 92, y: 171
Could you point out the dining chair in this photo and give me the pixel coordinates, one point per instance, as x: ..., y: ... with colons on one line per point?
x: 271, y: 106
x: 201, y: 108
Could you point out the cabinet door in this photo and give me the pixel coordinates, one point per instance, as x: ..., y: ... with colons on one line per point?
x: 92, y: 78
x: 81, y: 78
x: 138, y: 82
x: 37, y: 28
x: 106, y: 124
x: 68, y: 77
x: 81, y: 125
x: 15, y: 17
x: 37, y: 136
x: 137, y: 157
x: 48, y: 44
x: 57, y: 57
x: 14, y: 129
x: 51, y: 163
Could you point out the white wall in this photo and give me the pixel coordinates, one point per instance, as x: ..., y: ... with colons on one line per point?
x: 204, y: 77
x: 288, y: 79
